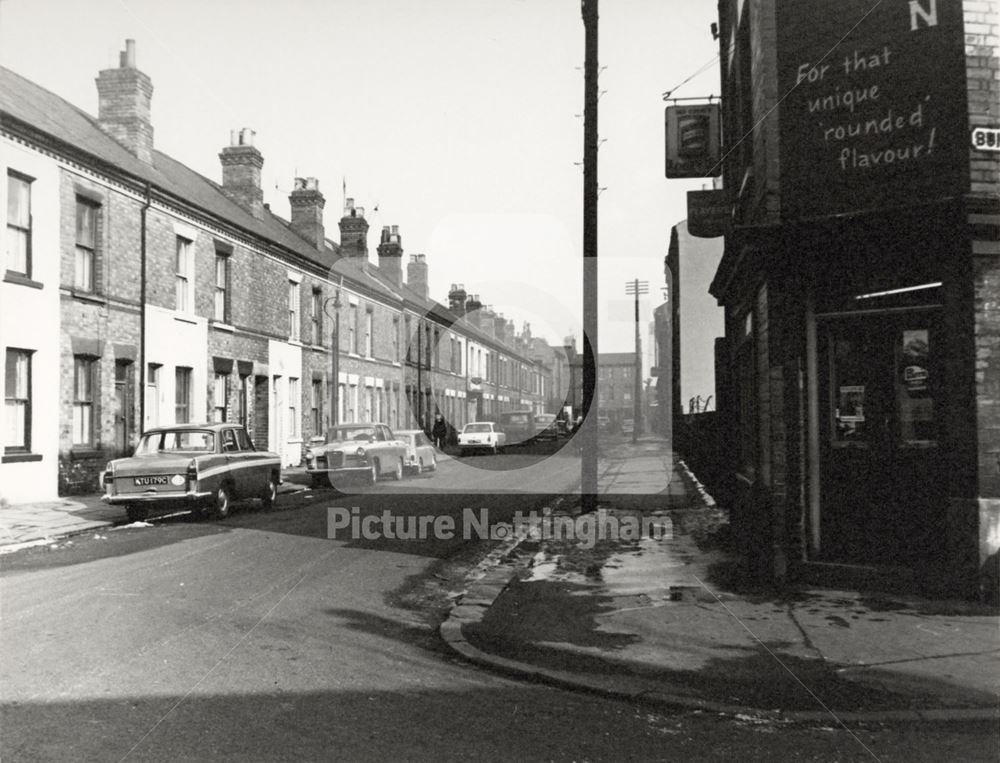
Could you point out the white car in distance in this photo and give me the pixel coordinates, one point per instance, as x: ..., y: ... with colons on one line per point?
x: 481, y: 436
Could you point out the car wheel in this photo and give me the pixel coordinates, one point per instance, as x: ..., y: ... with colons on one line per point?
x: 496, y: 449
x: 373, y: 473
x: 270, y: 492
x: 220, y: 506
x: 398, y: 474
x: 321, y: 481
x: 136, y: 513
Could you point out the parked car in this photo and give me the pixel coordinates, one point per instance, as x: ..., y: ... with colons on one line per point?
x: 481, y: 435
x: 191, y: 466
x: 546, y: 427
x: 518, y: 426
x: 420, y: 453
x: 368, y: 451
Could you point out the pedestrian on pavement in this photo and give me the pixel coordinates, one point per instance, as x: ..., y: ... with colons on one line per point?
x: 439, y: 432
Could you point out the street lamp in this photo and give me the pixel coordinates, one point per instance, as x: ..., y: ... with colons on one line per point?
x: 637, y: 287
x: 334, y: 353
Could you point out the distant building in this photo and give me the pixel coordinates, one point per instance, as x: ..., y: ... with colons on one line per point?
x: 697, y: 319
x: 616, y: 373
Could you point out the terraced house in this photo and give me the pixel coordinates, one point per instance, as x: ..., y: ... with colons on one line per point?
x: 138, y: 292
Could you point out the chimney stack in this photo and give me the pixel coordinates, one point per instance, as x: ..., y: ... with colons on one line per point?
x: 123, y: 105
x: 456, y: 299
x: 241, y: 164
x: 472, y: 308
x: 487, y: 321
x: 307, y: 211
x: 354, y: 231
x: 416, y: 274
x: 390, y: 254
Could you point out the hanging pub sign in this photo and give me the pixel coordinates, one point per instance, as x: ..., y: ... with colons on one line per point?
x: 693, y: 141
x: 707, y: 213
x: 873, y: 109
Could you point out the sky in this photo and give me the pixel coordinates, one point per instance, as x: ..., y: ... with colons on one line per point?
x: 460, y: 121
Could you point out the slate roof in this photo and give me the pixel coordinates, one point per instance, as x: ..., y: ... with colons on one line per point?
x: 43, y: 111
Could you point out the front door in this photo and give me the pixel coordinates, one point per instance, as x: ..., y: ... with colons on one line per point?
x: 880, y: 392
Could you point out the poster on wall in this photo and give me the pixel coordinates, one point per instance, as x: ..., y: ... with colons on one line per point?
x: 873, y: 104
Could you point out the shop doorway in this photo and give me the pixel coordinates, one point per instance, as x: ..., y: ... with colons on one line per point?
x: 880, y: 409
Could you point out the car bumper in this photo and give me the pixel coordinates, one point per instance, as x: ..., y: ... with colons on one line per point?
x: 187, y: 497
x: 341, y: 470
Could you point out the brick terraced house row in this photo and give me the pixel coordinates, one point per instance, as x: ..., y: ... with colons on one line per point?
x: 137, y: 292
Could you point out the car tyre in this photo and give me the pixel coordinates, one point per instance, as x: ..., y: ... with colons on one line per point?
x: 220, y: 504
x: 373, y: 473
x: 434, y: 464
x: 136, y: 513
x: 270, y: 492
x: 319, y: 481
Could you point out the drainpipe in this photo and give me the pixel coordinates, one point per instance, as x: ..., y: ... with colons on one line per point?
x: 142, y: 313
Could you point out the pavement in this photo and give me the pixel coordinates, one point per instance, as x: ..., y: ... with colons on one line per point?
x: 43, y: 522
x: 670, y: 621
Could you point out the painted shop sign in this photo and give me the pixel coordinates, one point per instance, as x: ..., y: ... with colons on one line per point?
x: 692, y: 141
x: 874, y: 110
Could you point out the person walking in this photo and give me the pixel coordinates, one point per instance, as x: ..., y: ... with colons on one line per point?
x: 440, y: 432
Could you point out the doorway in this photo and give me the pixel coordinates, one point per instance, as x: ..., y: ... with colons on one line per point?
x: 880, y: 410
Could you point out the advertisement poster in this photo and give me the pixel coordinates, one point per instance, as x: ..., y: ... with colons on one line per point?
x: 873, y: 104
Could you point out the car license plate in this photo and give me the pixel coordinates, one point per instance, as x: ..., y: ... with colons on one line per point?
x: 143, y: 481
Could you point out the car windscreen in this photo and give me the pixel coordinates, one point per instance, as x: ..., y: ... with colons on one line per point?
x: 366, y: 434
x: 477, y: 428
x: 179, y: 441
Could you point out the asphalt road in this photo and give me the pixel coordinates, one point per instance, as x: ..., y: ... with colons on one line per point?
x: 258, y: 638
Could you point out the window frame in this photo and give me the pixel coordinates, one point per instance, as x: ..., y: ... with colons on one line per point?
x: 27, y: 180
x: 89, y: 249
x: 294, y: 404
x: 25, y: 401
x: 221, y: 382
x: 294, y: 310
x: 186, y: 373
x: 222, y: 290
x: 316, y: 316
x: 316, y: 407
x: 184, y: 277
x: 84, y: 429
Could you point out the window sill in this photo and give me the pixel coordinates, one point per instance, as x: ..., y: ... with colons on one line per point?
x: 185, y: 318
x: 86, y: 296
x: 21, y: 280
x: 294, y: 342
x: 222, y: 325
x: 17, y: 458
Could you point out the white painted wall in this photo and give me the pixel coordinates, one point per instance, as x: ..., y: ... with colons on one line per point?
x: 284, y: 360
x: 29, y: 319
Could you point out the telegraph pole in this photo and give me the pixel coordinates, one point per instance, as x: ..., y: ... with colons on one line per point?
x: 637, y: 287
x: 588, y: 467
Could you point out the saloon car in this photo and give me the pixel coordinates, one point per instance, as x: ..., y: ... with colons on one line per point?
x: 420, y: 453
x: 367, y: 451
x: 481, y: 436
x: 191, y: 466
x: 546, y: 427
